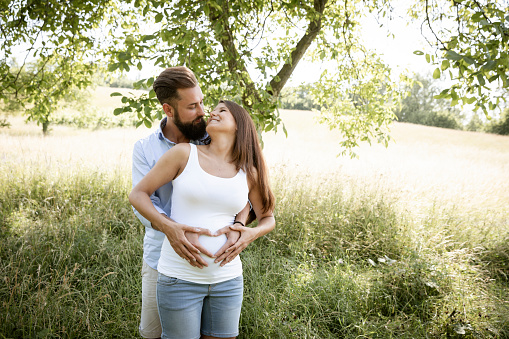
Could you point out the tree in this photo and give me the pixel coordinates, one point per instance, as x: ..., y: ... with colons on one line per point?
x: 471, y: 38
x: 419, y: 102
x: 475, y: 124
x: 420, y: 107
x: 298, y: 98
x: 58, y: 36
x: 247, y: 50
x: 501, y: 125
x: 443, y: 119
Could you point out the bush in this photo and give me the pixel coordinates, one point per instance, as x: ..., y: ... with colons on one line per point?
x: 475, y: 124
x: 443, y: 119
x: 298, y: 98
x: 500, y: 126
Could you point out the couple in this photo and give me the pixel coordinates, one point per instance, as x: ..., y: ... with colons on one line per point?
x: 192, y: 197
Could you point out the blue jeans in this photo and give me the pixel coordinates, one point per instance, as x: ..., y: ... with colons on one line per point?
x: 188, y: 309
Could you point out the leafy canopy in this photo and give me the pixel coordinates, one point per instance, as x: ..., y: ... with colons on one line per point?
x: 247, y: 50
x: 472, y: 42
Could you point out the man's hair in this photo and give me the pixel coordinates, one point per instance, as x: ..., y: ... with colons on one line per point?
x: 170, y: 80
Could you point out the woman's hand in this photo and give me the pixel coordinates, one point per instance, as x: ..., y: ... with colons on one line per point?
x: 232, y: 237
x: 247, y: 236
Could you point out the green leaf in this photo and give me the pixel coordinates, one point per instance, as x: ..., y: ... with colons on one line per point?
x: 452, y: 55
x: 489, y: 65
x: 480, y: 79
x: 113, y: 67
x: 147, y: 123
x: 471, y: 100
x: 148, y: 37
x: 115, y: 94
x: 468, y: 60
x: 477, y: 17
x: 118, y: 111
x: 418, y: 53
x: 428, y: 58
x: 159, y: 17
x: 436, y: 73
x: 445, y: 65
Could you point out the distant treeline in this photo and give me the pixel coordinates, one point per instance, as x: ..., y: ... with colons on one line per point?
x: 116, y: 82
x: 419, y: 107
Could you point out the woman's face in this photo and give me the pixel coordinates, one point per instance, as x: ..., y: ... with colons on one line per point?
x: 221, y: 119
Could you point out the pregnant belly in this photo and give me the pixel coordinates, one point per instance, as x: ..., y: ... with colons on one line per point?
x: 212, y: 244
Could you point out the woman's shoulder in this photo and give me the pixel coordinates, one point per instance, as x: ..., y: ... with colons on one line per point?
x: 182, y: 147
x: 252, y: 176
x: 179, y: 151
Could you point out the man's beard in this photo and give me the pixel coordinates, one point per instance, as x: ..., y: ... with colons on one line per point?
x: 191, y: 130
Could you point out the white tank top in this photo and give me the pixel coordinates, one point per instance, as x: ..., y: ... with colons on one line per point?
x: 201, y: 199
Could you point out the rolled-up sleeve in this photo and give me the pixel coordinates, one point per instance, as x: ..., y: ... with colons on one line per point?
x: 140, y: 168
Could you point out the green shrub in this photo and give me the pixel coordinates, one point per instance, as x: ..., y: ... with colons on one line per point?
x: 500, y: 126
x: 443, y: 119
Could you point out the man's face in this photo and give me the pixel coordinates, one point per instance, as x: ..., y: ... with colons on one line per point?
x: 188, y: 113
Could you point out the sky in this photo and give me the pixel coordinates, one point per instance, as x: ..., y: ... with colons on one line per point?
x: 397, y: 51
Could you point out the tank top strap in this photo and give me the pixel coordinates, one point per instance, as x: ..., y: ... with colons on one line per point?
x: 192, y: 162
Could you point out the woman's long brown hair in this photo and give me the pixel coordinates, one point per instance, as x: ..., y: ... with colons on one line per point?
x: 247, y: 153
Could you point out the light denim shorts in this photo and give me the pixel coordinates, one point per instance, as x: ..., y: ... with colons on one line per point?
x: 188, y: 310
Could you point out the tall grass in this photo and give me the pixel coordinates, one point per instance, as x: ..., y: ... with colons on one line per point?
x: 346, y: 260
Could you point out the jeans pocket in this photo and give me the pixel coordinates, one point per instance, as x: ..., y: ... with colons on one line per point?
x: 166, y: 281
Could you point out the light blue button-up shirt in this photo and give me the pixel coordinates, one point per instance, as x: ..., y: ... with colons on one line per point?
x: 146, y: 152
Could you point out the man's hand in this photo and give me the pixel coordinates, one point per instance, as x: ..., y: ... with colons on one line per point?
x: 176, y: 234
x: 198, y: 260
x: 232, y: 237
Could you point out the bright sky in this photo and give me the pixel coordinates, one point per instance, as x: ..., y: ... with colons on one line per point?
x: 397, y: 52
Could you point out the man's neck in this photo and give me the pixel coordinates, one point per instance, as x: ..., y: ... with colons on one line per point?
x: 172, y: 133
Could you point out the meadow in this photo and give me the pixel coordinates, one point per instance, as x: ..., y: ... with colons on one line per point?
x: 409, y: 241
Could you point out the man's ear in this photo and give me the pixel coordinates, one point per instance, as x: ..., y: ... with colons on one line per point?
x: 168, y: 110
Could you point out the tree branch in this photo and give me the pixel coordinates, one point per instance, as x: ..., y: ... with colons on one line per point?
x: 314, y: 27
x: 235, y: 62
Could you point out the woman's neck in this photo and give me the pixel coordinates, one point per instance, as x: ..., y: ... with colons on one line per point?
x: 221, y: 146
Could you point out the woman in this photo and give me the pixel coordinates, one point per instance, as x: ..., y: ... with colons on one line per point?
x: 211, y: 184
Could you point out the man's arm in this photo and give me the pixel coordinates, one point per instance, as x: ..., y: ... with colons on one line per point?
x: 140, y: 168
x: 175, y: 232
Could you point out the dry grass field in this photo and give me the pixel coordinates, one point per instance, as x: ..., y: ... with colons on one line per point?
x: 423, y: 165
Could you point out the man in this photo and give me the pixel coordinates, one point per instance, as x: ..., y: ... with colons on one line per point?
x: 181, y: 98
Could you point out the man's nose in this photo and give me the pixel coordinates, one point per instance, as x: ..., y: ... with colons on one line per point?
x: 201, y: 110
